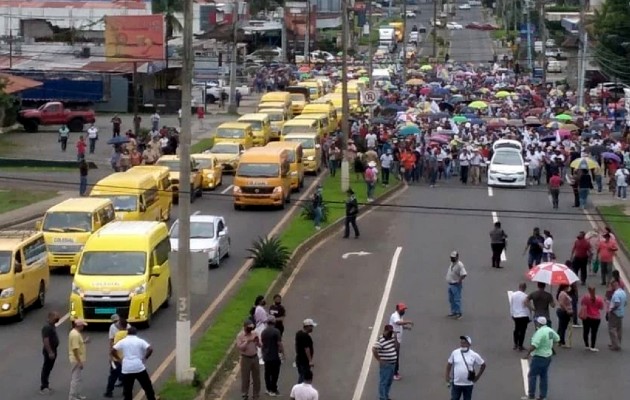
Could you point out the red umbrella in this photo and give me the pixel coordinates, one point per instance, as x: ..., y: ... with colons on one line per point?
x: 439, y: 139
x: 564, y: 133
x: 552, y: 273
x: 425, y: 91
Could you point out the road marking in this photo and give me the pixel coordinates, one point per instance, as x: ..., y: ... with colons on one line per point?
x: 287, y: 285
x: 495, y: 219
x: 490, y: 191
x: 226, y: 290
x: 227, y: 189
x: 355, y: 253
x: 378, y: 321
x: 63, y: 319
x: 524, y: 363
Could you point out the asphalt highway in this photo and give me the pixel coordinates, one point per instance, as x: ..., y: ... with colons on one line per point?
x: 20, y: 343
x: 468, y: 45
x: 410, y: 242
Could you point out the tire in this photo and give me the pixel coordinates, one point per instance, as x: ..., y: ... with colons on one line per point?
x: 169, y: 294
x: 31, y: 125
x: 41, y: 295
x: 147, y: 324
x: 75, y: 125
x: 216, y: 263
x: 199, y: 192
x: 237, y: 207
x: 21, y: 309
x: 288, y: 199
x: 227, y: 253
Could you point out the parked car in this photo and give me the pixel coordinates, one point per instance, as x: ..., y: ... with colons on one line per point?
x: 554, y: 53
x: 554, y: 66
x: 410, y: 14
x: 208, y: 234
x: 465, y: 6
x: 54, y: 113
x: 475, y: 2
x: 454, y: 26
x: 550, y: 43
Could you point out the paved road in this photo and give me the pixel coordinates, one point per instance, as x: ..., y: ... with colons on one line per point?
x: 469, y: 45
x: 20, y: 342
x: 344, y: 296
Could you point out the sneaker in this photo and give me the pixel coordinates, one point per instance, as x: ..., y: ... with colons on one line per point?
x: 261, y: 362
x: 577, y: 325
x: 270, y: 393
x: 451, y: 315
x: 594, y: 349
x: 46, y: 392
x: 458, y: 316
x: 397, y: 377
x: 528, y: 398
x: 317, y: 228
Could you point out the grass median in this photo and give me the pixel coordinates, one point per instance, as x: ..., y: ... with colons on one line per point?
x: 12, y: 199
x: 202, y: 145
x: 619, y: 221
x: 216, y: 341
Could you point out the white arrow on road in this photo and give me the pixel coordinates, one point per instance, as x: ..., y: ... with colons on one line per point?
x: 355, y: 253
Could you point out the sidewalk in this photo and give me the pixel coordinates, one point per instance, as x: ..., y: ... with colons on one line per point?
x: 30, y: 212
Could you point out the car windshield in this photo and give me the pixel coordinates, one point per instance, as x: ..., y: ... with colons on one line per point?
x: 123, y: 203
x: 307, y: 143
x: 172, y: 165
x: 5, y: 262
x: 230, y: 133
x: 298, y: 129
x: 256, y: 125
x: 67, y: 222
x: 198, y: 230
x: 297, y: 97
x: 203, y: 163
x: 274, y: 116
x: 113, y: 263
x: 258, y: 170
x: 507, y: 158
x: 224, y: 149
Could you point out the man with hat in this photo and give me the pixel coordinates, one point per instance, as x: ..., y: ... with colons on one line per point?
x: 304, y: 350
x: 76, y: 352
x: 248, y: 343
x: 370, y: 176
x: 461, y: 369
x: 352, y: 209
x: 455, y: 276
x: 398, y: 325
x: 541, y: 351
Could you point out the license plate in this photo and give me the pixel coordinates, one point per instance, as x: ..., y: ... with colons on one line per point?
x: 105, y: 311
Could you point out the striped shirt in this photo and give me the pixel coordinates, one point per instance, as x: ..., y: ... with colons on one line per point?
x: 386, y: 349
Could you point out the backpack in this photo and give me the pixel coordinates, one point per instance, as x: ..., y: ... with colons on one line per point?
x: 369, y: 175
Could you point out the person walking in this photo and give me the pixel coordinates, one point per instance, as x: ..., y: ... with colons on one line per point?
x: 455, y: 276
x: 116, y: 122
x: 370, y: 176
x: 118, y: 330
x: 81, y: 147
x: 50, y: 342
x: 248, y: 343
x: 554, y: 189
x: 498, y: 240
x: 155, y: 121
x: 304, y: 350
x: 92, y: 137
x: 83, y: 176
x: 317, y: 204
x: 260, y: 317
x: 272, y: 355
x: 534, y: 248
x: 548, y: 254
x: 541, y: 351
x: 591, y: 306
x: 616, y: 312
x: 399, y: 324
x: 134, y: 352
x: 77, y: 355
x: 64, y: 135
x: 539, y: 302
x: 385, y: 352
x: 304, y: 390
x: 621, y: 179
x: 464, y: 165
x: 278, y: 311
x: 580, y: 254
x: 387, y: 160
x: 606, y: 254
x: 461, y: 370
x: 564, y: 313
x: 352, y: 210
x: 520, y: 315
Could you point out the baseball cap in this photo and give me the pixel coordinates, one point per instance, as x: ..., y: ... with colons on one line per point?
x: 115, y: 317
x: 454, y: 253
x: 466, y: 338
x: 401, y: 306
x: 80, y: 322
x: 309, y: 322
x: 541, y: 321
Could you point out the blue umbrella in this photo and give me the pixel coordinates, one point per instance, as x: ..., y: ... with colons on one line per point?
x: 611, y: 156
x: 118, y: 140
x: 476, y: 121
x: 395, y: 107
x: 409, y: 130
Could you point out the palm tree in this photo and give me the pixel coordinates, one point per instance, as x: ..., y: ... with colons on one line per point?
x: 173, y: 26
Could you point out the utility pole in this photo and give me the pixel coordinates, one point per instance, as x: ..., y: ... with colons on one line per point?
x: 183, y: 370
x: 582, y: 60
x: 232, y: 109
x: 283, y: 39
x: 307, y: 34
x: 543, y: 38
x: 404, y: 42
x: 529, y: 38
x: 136, y: 117
x: 370, y: 47
x: 435, y: 28
x: 345, y: 104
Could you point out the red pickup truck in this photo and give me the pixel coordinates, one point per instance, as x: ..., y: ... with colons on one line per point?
x: 54, y: 113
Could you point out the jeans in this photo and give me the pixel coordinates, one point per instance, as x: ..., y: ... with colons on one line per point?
x: 615, y: 328
x: 622, y: 191
x: 455, y: 298
x: 64, y: 143
x: 351, y: 220
x: 564, y: 318
x: 385, y: 172
x: 332, y: 166
x: 579, y: 267
x: 534, y: 259
x: 555, y: 197
x: 82, y: 185
x: 598, y: 183
x: 538, y: 368
x: 114, y: 375
x: 92, y: 145
x: 302, y: 368
x: 47, y: 367
x: 461, y: 392
x: 591, y: 326
x: 370, y: 190
x: 317, y: 216
x: 605, y: 269
x: 143, y: 379
x: 272, y: 373
x: 433, y: 176
x: 583, y: 193
x: 385, y: 379
x: 520, y: 328
x: 463, y: 171
x: 497, y: 250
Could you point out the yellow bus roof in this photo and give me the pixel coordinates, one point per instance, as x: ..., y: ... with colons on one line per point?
x: 234, y: 125
x: 81, y: 204
x: 123, y: 183
x: 11, y: 239
x: 253, y: 117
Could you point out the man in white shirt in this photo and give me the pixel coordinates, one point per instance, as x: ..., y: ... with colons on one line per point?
x: 305, y: 390
x: 520, y: 315
x: 621, y: 177
x: 370, y: 140
x: 399, y: 324
x: 92, y: 137
x: 135, y: 352
x: 386, y: 164
x: 464, y: 165
x: 461, y: 372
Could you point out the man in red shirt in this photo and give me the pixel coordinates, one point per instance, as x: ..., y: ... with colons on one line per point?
x: 554, y: 189
x: 81, y: 146
x: 580, y: 255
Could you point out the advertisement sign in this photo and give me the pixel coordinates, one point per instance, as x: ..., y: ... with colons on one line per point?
x: 134, y: 37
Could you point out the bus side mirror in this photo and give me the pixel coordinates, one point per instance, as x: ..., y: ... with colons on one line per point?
x: 38, y: 225
x: 73, y: 269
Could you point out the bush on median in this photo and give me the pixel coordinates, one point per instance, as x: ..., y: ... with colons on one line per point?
x: 269, y: 252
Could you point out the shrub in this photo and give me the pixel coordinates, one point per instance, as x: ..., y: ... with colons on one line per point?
x: 269, y: 252
x: 308, y: 211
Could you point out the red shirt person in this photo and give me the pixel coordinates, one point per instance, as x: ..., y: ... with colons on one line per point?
x: 554, y: 189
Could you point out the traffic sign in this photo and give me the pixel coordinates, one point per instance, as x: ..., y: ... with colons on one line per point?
x: 369, y: 97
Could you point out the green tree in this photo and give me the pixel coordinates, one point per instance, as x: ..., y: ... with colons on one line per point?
x: 610, y: 30
x: 169, y: 8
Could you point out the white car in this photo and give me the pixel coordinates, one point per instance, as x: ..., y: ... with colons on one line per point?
x: 454, y: 26
x: 475, y: 2
x: 550, y: 43
x: 208, y: 234
x: 465, y: 6
x: 507, y: 168
x: 410, y: 14
x: 554, y: 66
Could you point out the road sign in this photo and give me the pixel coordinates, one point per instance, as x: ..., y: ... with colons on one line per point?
x: 369, y: 97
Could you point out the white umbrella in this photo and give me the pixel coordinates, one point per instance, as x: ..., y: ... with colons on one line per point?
x: 552, y: 273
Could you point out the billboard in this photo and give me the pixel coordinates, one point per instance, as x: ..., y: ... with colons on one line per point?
x: 134, y: 37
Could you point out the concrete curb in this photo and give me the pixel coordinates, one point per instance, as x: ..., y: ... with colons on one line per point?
x: 296, y: 257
